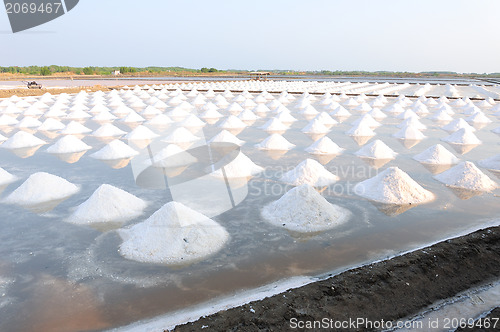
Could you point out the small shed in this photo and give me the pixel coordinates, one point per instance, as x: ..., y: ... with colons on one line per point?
x: 259, y: 75
x: 115, y: 72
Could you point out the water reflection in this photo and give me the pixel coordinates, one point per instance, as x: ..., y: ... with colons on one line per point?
x: 463, y: 148
x: 25, y: 152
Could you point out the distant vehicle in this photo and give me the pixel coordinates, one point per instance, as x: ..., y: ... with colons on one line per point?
x: 33, y: 85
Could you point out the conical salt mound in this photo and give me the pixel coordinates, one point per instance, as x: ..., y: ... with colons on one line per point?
x: 108, y: 204
x: 51, y: 125
x: 466, y: 176
x: 226, y: 137
x: 180, y: 135
x: 6, y: 178
x: 393, y: 186
x: 492, y: 163
x: 141, y: 133
x: 376, y: 150
x: 409, y: 132
x: 463, y: 136
x: 436, y: 155
x: 275, y: 142
x: 173, y: 156
x: 360, y: 130
x: 309, y: 172
x: 115, y: 150
x: 240, y: 167
x: 274, y: 125
x: 108, y: 130
x: 315, y: 126
x: 303, y: 209
x: 175, y: 234
x: 232, y: 122
x: 324, y: 146
x: 75, y: 128
x: 68, y: 144
x: 458, y: 124
x: 41, y: 188
x: 21, y: 140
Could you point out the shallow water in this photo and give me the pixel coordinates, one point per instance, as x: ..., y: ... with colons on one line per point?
x: 59, y: 276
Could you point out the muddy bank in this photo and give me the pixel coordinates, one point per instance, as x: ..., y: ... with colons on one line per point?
x: 25, y: 92
x: 388, y: 290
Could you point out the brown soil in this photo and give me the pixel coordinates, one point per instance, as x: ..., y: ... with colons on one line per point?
x: 38, y: 92
x: 388, y: 290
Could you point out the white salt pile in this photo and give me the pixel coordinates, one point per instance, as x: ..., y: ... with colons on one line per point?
x: 274, y: 125
x: 41, y: 188
x: 275, y: 142
x: 441, y: 116
x: 409, y: 132
x: 108, y: 130
x: 309, y: 172
x: 133, y: 117
x: 361, y: 130
x: 466, y: 176
x: 492, y: 163
x: 22, y: 139
x: 173, y: 156
x: 175, y: 234
x: 376, y: 150
x: 464, y: 136
x: 285, y: 117
x: 436, y: 155
x: 104, y: 116
x: 478, y: 118
x: 68, y: 144
x: 393, y: 186
x: 28, y: 122
x: 141, y: 133
x: 303, y: 209
x: 2, y: 138
x: 457, y: 124
x: 75, y: 128
x: 7, y: 120
x: 6, y: 178
x: 211, y: 114
x: 159, y: 120
x: 192, y: 121
x: 115, y: 150
x: 326, y: 119
x: 412, y: 122
x: 232, y: 122
x: 340, y: 112
x: 108, y: 204
x: 180, y: 135
x: 367, y: 120
x: 226, y: 137
x: 376, y: 113
x: 247, y: 115
x: 324, y: 146
x: 51, y: 125
x: 315, y: 126
x: 240, y: 167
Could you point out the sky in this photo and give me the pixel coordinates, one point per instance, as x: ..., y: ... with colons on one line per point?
x: 371, y: 35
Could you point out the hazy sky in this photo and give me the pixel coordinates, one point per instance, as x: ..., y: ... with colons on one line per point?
x: 397, y: 35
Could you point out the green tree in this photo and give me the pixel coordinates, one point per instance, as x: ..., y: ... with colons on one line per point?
x: 88, y: 71
x: 45, y: 71
x: 204, y: 70
x: 212, y: 70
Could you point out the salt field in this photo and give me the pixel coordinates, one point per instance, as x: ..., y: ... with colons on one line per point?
x: 172, y: 195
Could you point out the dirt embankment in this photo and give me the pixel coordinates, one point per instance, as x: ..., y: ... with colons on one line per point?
x: 25, y: 92
x: 388, y: 290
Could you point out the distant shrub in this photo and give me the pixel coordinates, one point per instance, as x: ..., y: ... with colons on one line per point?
x: 45, y: 71
x: 88, y: 71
